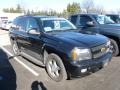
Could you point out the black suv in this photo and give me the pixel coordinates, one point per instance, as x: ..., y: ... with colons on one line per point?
x: 99, y: 24
x: 56, y: 44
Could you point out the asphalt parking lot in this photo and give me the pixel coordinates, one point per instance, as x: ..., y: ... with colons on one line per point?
x: 18, y: 73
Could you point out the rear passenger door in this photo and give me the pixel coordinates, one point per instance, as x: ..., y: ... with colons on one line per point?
x: 20, y: 33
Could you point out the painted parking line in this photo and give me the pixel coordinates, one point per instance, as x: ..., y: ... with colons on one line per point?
x: 20, y: 62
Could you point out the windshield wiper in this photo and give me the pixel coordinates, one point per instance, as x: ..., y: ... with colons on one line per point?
x: 62, y: 30
x: 109, y: 23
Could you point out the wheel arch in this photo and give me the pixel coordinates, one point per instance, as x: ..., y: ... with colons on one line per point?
x: 114, y: 38
x: 117, y: 41
x: 50, y: 49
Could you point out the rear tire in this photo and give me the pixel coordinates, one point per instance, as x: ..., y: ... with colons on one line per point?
x: 115, y: 47
x: 15, y: 48
x: 55, y: 68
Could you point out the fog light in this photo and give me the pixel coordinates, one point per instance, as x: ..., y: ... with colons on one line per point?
x: 83, y: 70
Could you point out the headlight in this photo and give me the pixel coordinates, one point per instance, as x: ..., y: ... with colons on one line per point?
x: 81, y: 54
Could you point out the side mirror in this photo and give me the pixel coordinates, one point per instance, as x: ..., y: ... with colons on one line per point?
x: 90, y: 24
x: 33, y: 32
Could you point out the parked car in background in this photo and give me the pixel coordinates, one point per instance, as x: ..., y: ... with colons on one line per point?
x: 56, y: 44
x: 6, y: 25
x: 99, y: 24
x: 3, y: 21
x: 114, y: 17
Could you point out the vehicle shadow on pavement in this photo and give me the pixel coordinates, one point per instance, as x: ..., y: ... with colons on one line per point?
x: 38, y: 86
x: 7, y: 73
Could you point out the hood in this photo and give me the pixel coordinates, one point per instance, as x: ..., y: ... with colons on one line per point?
x: 79, y: 39
x: 111, y: 26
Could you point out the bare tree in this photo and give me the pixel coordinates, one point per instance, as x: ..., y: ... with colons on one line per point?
x: 100, y: 9
x: 118, y: 11
x: 88, y: 5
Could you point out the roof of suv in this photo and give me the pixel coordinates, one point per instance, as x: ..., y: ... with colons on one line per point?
x: 38, y: 16
x: 112, y: 14
x: 87, y: 14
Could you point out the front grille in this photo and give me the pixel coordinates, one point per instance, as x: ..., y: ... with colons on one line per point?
x: 99, y: 51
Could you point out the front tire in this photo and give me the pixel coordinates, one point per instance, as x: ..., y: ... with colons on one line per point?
x: 115, y: 48
x: 55, y: 68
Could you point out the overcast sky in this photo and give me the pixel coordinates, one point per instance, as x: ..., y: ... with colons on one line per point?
x: 57, y: 5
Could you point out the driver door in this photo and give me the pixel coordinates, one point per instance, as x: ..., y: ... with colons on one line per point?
x: 83, y: 27
x: 34, y: 40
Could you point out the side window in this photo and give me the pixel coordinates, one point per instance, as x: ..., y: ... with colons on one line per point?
x: 14, y: 24
x: 74, y: 19
x: 84, y: 20
x: 21, y: 24
x: 32, y: 23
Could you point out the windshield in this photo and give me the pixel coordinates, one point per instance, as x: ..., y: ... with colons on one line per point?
x: 102, y: 19
x: 56, y: 24
x: 115, y: 18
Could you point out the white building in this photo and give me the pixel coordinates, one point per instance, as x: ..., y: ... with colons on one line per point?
x: 7, y: 18
x: 10, y: 16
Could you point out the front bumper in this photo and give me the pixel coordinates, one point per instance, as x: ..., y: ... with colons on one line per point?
x: 76, y: 69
